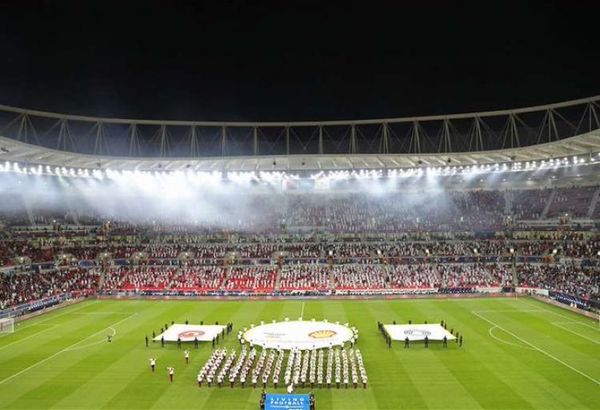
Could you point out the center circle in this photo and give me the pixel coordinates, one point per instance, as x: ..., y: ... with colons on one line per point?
x: 298, y: 334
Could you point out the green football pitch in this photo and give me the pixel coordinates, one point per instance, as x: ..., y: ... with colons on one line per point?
x: 517, y: 353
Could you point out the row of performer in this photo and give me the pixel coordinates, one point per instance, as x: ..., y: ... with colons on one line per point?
x: 303, y: 368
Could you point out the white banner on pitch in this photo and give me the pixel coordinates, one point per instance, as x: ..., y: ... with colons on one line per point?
x: 187, y: 333
x: 418, y: 332
x: 298, y: 334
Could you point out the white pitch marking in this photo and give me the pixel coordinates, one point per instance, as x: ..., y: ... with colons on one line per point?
x: 508, y: 311
x: 580, y: 324
x: 557, y: 324
x: 302, y: 313
x: 67, y: 312
x: 114, y: 332
x: 61, y: 351
x: 28, y: 337
x: 556, y: 313
x: 539, y: 350
x: 102, y: 313
x: 504, y: 341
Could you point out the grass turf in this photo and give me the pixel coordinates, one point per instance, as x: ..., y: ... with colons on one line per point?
x: 516, y: 354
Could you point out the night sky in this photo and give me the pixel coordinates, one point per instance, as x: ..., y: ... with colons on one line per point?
x: 280, y: 60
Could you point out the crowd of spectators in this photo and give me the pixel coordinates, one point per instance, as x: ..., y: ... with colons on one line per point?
x: 23, y: 287
x: 164, y: 278
x: 18, y: 288
x: 339, y: 251
x: 568, y: 279
x: 359, y: 276
x: 304, y: 277
x: 255, y: 279
x: 349, y: 241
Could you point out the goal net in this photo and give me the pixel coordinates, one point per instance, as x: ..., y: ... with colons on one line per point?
x: 7, y: 325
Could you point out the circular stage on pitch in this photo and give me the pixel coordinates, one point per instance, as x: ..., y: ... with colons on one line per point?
x: 298, y: 334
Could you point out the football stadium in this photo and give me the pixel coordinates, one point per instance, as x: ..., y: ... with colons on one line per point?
x: 441, y: 261
x: 261, y: 205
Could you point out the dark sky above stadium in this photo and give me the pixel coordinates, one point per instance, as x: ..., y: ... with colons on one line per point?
x: 280, y: 60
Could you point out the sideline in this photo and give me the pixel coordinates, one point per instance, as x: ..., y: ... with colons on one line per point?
x: 580, y: 313
x: 49, y: 312
x: 558, y: 324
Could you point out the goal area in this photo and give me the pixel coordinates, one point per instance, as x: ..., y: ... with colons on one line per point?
x: 7, y: 325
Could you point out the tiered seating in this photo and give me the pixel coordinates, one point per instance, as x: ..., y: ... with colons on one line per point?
x: 359, y: 276
x: 251, y: 279
x: 304, y: 277
x: 413, y: 276
x: 567, y: 279
x: 161, y: 278
x: 198, y: 279
x: 573, y: 201
x: 29, y: 286
x: 529, y: 204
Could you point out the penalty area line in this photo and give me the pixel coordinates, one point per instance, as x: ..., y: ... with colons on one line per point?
x: 52, y: 316
x: 66, y: 349
x: 538, y: 349
x: 114, y: 332
x: 491, y: 332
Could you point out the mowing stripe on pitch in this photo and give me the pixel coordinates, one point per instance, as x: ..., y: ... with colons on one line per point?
x: 571, y: 318
x: 508, y: 311
x: 66, y: 349
x: 28, y: 337
x: 491, y: 332
x: 558, y: 324
x: 67, y: 312
x: 538, y: 349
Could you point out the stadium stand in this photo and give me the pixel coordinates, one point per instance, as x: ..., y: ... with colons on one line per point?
x: 456, y: 241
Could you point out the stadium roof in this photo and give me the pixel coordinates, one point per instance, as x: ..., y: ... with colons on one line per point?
x: 582, y: 145
x: 523, y: 134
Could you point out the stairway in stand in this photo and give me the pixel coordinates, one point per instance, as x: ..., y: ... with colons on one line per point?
x: 331, y: 279
x: 593, y: 203
x: 548, y: 204
x: 226, y: 278
x: 277, y: 279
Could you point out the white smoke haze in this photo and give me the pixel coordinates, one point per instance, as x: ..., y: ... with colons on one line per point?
x: 237, y: 202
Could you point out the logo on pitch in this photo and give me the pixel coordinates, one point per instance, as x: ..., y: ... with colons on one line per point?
x: 417, y: 332
x: 190, y: 334
x: 322, y: 334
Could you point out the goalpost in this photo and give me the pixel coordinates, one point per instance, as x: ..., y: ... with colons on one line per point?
x: 7, y: 325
